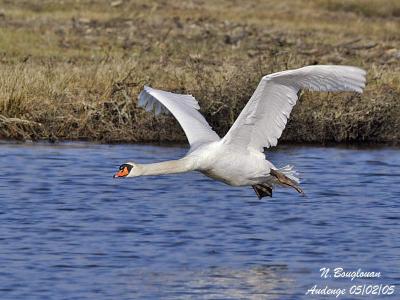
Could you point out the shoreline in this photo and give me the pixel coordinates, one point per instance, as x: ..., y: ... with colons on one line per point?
x: 358, y: 146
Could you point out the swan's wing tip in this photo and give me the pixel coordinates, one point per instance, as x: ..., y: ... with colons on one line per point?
x: 185, y: 110
x: 362, y: 79
x: 149, y: 101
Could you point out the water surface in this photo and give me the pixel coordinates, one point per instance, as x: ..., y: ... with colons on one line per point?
x: 68, y: 230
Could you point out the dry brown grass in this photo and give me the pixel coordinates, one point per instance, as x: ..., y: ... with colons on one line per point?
x: 73, y: 69
x: 366, y: 8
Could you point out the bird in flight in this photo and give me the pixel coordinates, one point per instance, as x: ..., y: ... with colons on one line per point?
x: 238, y: 158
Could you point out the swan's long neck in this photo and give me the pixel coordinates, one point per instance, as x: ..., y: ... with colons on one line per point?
x: 168, y: 167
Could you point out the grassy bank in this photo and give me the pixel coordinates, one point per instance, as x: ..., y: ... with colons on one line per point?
x: 73, y: 69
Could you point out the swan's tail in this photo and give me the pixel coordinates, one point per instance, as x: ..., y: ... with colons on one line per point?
x: 290, y: 172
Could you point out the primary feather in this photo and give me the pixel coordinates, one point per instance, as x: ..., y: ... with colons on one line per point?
x: 185, y: 110
x: 261, y: 122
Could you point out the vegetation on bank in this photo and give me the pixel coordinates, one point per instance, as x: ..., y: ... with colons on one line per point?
x: 73, y: 69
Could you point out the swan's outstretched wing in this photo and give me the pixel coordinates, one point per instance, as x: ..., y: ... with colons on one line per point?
x: 185, y: 110
x: 263, y: 119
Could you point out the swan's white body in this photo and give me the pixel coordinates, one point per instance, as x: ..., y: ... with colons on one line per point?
x: 238, y: 158
x: 224, y: 163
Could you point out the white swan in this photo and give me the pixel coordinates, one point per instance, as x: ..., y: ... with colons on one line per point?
x: 238, y: 158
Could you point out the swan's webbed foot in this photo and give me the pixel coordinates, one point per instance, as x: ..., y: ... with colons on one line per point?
x: 283, y: 179
x: 262, y: 190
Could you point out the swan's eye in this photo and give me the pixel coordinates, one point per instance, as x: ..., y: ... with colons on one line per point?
x: 128, y: 166
x: 121, y: 167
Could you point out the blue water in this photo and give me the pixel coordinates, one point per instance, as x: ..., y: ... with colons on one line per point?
x: 68, y: 230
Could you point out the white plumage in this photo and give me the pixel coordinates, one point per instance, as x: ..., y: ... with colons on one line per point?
x: 238, y: 159
x: 184, y: 108
x: 261, y: 122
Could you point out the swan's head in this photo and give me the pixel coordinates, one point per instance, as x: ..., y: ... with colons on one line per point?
x: 128, y: 169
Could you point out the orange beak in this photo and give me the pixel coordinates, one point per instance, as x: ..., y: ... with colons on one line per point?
x: 122, y: 173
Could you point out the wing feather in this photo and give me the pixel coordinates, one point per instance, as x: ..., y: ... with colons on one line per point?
x: 185, y: 110
x: 262, y: 121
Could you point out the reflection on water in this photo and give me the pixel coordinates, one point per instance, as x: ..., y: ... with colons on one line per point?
x: 219, y: 283
x: 69, y: 231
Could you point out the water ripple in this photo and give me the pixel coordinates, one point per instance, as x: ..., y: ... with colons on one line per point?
x: 69, y: 231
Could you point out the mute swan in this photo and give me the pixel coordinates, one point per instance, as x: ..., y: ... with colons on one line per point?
x: 238, y: 158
